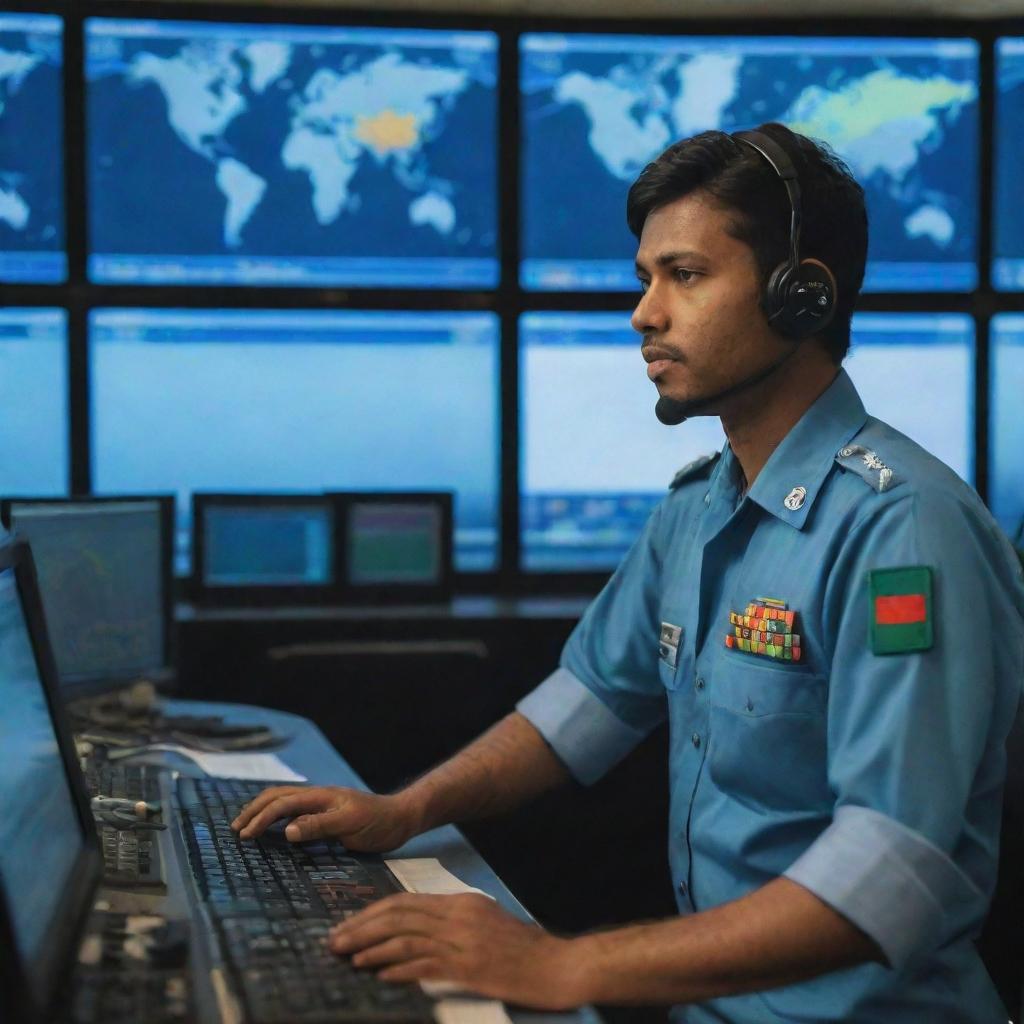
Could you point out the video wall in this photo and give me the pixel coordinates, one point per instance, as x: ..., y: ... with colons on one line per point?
x: 334, y: 256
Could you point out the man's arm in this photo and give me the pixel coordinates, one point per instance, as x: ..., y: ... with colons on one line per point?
x: 775, y: 936
x: 505, y: 767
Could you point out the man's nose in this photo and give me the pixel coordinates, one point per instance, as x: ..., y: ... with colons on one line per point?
x: 650, y: 315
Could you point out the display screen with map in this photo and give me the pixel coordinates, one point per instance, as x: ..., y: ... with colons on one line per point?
x: 308, y: 401
x: 291, y: 155
x: 32, y: 247
x: 33, y: 402
x: 1008, y: 218
x: 1006, y: 424
x: 595, y: 460
x: 903, y: 113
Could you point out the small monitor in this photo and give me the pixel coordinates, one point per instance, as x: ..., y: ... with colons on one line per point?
x: 1008, y: 212
x: 903, y: 113
x: 263, y: 548
x: 1006, y: 424
x: 49, y: 861
x: 104, y: 569
x: 396, y: 546
x: 32, y: 246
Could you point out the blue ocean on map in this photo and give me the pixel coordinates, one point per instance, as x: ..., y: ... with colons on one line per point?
x: 284, y: 155
x: 31, y: 150
x: 1008, y: 222
x: 903, y: 114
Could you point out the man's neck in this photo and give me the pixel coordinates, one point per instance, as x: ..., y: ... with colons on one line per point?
x: 757, y: 424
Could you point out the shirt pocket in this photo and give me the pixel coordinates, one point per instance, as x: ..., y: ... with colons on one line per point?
x: 768, y: 733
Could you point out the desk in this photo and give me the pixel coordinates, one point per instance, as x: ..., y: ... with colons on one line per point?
x: 308, y: 752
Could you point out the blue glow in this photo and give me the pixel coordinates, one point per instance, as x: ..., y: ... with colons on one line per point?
x: 903, y: 113
x: 306, y: 401
x: 594, y: 460
x: 31, y: 150
x: 34, y: 455
x: 1006, y: 424
x: 291, y: 155
x: 1008, y: 214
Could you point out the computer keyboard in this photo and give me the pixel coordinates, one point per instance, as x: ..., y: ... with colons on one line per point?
x: 130, y: 857
x: 126, y: 781
x: 273, y: 901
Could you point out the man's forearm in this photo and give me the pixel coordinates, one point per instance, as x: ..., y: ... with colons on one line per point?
x: 778, y: 935
x: 505, y: 767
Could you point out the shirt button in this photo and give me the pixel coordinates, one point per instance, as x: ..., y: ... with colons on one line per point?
x: 699, y: 683
x: 695, y: 738
x: 682, y: 888
x: 707, y: 500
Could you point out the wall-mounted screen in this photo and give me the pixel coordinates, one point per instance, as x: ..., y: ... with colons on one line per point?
x: 291, y: 155
x: 255, y: 400
x: 1006, y: 424
x: 916, y: 372
x: 903, y: 113
x: 32, y: 149
x: 33, y: 402
x: 594, y: 460
x: 1008, y: 213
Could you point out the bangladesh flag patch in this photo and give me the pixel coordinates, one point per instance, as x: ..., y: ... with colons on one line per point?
x: 901, y: 609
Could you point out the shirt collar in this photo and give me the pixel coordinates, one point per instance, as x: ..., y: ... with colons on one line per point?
x: 805, y: 456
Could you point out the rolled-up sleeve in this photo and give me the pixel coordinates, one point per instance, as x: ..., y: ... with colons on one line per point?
x: 916, y: 738
x: 606, y: 695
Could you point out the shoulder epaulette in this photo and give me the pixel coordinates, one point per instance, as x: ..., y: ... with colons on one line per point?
x: 868, y: 465
x: 692, y: 469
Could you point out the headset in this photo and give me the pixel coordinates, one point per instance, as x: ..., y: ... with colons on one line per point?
x: 799, y: 299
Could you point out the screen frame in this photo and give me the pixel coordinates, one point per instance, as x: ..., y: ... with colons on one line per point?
x: 162, y: 675
x: 30, y: 993
x: 396, y: 592
x: 255, y: 594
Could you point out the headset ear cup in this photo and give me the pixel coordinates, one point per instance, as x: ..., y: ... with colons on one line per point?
x: 776, y: 297
x: 802, y: 298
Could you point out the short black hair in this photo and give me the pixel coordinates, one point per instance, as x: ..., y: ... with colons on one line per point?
x: 739, y: 179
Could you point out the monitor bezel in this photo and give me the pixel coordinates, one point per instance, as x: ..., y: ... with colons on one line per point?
x: 207, y: 595
x: 33, y: 991
x: 396, y: 592
x: 162, y: 675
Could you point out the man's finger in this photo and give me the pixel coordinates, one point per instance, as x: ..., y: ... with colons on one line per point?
x: 285, y: 807
x: 424, y: 969
x: 400, y: 949
x: 366, y: 930
x: 258, y: 802
x: 414, y: 902
x: 316, y: 826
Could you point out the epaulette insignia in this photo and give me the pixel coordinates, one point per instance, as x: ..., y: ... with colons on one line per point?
x: 691, y: 469
x: 866, y: 464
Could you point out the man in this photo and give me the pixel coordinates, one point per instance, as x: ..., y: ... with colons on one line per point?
x: 826, y: 615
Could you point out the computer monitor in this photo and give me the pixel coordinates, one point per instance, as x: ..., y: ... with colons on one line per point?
x: 294, y: 155
x: 1006, y: 424
x: 903, y: 113
x: 34, y: 435
x: 395, y: 547
x: 594, y: 460
x: 292, y: 400
x: 49, y: 859
x: 1008, y: 143
x: 104, y: 568
x: 32, y: 247
x: 263, y: 547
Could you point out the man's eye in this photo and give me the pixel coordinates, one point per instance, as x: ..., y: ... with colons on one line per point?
x: 685, y: 276
x: 644, y: 285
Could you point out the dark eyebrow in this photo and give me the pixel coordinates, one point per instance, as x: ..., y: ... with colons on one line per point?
x: 667, y: 258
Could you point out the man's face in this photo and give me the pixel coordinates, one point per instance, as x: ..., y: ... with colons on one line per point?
x: 700, y: 314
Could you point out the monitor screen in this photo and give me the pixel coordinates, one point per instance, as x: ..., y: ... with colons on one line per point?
x: 217, y: 400
x: 1008, y: 214
x: 394, y: 543
x: 259, y: 545
x: 32, y: 149
x: 39, y: 822
x: 594, y: 459
x: 101, y: 578
x: 916, y: 372
x: 903, y: 113
x: 34, y: 441
x: 299, y: 155
x: 1006, y: 424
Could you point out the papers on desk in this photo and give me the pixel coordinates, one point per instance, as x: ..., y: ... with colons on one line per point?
x: 426, y: 874
x: 257, y: 767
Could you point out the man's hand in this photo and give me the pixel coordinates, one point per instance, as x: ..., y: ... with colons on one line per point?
x: 466, y: 939
x: 362, y: 821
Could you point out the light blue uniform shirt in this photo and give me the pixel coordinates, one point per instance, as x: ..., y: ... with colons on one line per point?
x: 874, y: 780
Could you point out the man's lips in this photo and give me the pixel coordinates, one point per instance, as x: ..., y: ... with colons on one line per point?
x: 658, y: 367
x: 658, y: 360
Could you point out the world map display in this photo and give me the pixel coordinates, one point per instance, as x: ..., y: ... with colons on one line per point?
x: 903, y: 113
x: 277, y: 154
x: 1008, y: 222
x: 31, y: 148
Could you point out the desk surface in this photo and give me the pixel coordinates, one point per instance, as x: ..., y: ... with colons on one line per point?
x: 308, y: 752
